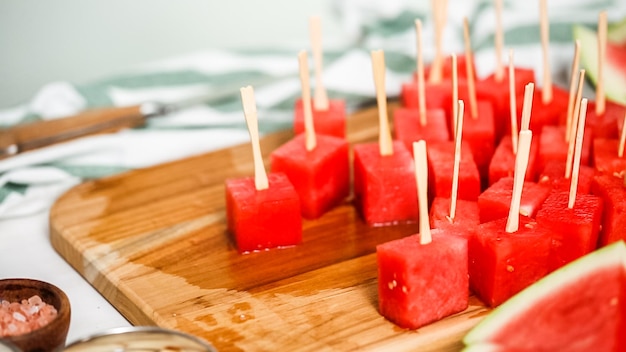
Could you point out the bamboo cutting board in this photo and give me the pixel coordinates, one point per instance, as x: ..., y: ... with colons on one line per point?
x: 154, y: 243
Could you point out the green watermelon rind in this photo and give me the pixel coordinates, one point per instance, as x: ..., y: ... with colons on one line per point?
x: 614, y: 76
x: 616, y: 32
x: 605, y: 257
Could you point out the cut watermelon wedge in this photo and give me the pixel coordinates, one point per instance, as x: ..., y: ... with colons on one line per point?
x: 615, y: 71
x: 579, y: 307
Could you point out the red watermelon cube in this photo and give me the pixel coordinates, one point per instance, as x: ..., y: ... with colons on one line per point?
x: 503, y: 161
x: 321, y: 176
x: 495, y: 201
x: 609, y: 124
x: 436, y: 94
x: 498, y: 93
x: 408, y: 129
x: 263, y: 219
x: 466, y: 218
x: 612, y: 190
x: 502, y: 264
x: 441, y: 167
x: 420, y: 284
x: 384, y: 185
x: 606, y: 159
x: 446, y: 69
x: 574, y: 231
x: 552, y: 146
x: 553, y: 176
x: 330, y: 122
x: 549, y: 114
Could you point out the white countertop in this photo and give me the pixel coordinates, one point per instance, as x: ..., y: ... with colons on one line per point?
x: 25, y: 251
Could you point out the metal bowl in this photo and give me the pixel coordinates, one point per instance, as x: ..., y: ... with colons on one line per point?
x: 140, y: 338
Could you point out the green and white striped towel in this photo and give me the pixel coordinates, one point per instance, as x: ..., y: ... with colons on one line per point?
x: 31, y: 185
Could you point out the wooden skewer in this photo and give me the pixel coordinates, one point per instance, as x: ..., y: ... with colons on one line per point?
x: 309, y: 128
x: 499, y: 41
x: 512, y: 103
x: 521, y: 164
x: 384, y: 137
x: 421, y: 179
x: 572, y: 90
x: 249, y: 110
x: 546, y: 91
x: 622, y: 139
x: 573, y: 127
x: 471, y: 84
x: 321, y: 98
x: 602, y: 29
x: 439, y: 8
x: 457, y: 162
x: 455, y: 93
x: 421, y: 93
x: 527, y: 107
x: 577, y: 154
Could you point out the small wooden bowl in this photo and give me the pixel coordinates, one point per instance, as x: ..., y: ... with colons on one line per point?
x: 50, y: 337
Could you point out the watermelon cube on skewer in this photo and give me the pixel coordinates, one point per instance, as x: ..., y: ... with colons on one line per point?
x: 467, y: 216
x: 494, y: 202
x: 553, y: 176
x: 502, y: 163
x: 612, y: 190
x: 330, y: 121
x: 422, y: 278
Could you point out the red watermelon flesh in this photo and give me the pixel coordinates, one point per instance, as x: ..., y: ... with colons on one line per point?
x: 330, y: 122
x: 553, y: 176
x: 465, y: 219
x: 384, y: 186
x: 420, y: 284
x: 479, y: 132
x: 606, y: 159
x: 495, y: 201
x: 609, y: 124
x: 499, y: 94
x: 321, y: 176
x: 552, y: 146
x: 613, y: 193
x: 263, y: 219
x: 441, y: 167
x: 542, y: 114
x: 408, y: 129
x: 574, y: 231
x: 435, y: 94
x: 461, y: 63
x: 580, y: 307
x: 502, y: 163
x: 502, y: 264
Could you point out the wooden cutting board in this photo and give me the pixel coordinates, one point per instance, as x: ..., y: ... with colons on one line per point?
x: 154, y: 243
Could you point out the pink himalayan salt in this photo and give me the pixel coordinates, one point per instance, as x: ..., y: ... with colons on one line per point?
x: 21, y: 318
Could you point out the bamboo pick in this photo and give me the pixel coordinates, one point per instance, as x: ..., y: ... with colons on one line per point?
x: 455, y: 94
x: 573, y: 128
x: 321, y: 98
x: 499, y: 41
x: 577, y: 154
x: 527, y: 107
x: 471, y: 82
x: 546, y: 91
x: 622, y: 139
x: 421, y: 179
x: 602, y: 29
x: 384, y: 137
x: 309, y: 127
x: 513, y: 103
x: 439, y: 8
x: 521, y: 164
x: 249, y: 110
x: 457, y: 162
x: 572, y: 90
x: 421, y: 93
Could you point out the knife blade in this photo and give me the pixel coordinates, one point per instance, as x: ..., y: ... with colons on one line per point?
x: 34, y: 135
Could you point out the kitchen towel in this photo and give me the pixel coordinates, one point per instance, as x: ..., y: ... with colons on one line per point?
x: 32, y: 182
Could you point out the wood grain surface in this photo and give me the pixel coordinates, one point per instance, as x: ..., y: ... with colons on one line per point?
x: 154, y: 243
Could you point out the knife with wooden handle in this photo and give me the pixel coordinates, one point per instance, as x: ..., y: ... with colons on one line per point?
x: 34, y: 135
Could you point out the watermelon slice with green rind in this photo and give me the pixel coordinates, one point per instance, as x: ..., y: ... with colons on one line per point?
x: 614, y: 69
x: 579, y: 307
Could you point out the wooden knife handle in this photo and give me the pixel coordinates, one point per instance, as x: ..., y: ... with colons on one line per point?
x: 39, y: 134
